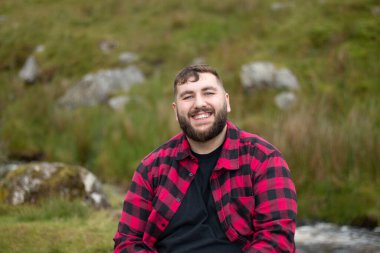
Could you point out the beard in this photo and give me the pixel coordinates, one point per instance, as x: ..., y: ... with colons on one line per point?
x: 203, y: 136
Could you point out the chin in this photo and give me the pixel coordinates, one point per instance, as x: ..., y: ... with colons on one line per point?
x: 202, y: 129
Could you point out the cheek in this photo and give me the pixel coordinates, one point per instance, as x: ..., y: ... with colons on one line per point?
x: 182, y: 109
x: 221, y: 105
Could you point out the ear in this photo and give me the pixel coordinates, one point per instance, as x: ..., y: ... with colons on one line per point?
x: 174, y: 106
x: 228, y: 102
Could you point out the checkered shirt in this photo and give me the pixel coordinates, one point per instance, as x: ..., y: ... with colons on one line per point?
x: 251, y: 185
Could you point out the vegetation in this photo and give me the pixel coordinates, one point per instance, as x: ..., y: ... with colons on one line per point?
x: 59, y: 226
x: 331, y: 139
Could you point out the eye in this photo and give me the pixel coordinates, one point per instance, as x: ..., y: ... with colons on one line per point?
x: 187, y: 97
x: 209, y: 93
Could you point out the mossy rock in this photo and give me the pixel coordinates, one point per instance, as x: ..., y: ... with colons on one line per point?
x: 33, y: 182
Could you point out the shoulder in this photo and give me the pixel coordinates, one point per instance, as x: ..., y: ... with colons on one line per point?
x: 249, y: 142
x: 264, y: 157
x: 166, y: 151
x: 257, y: 143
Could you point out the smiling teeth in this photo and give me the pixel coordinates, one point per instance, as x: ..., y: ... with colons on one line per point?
x: 202, y: 116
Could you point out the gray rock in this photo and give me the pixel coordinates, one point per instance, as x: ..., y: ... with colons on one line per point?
x: 284, y: 78
x: 285, y: 100
x: 375, y: 11
x: 32, y: 182
x: 128, y: 57
x: 4, y: 169
x: 39, y: 49
x: 97, y: 88
x: 198, y: 60
x: 118, y: 102
x: 266, y: 75
x: 3, y: 18
x: 257, y: 75
x: 279, y: 6
x: 106, y: 46
x: 29, y: 71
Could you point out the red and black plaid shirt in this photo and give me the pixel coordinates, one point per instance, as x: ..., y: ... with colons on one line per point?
x: 251, y: 185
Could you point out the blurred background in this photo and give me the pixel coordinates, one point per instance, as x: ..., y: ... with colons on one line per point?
x: 89, y: 83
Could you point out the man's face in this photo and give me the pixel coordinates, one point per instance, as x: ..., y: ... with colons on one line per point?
x: 201, y: 107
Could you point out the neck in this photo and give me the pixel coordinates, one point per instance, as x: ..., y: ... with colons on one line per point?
x: 208, y: 146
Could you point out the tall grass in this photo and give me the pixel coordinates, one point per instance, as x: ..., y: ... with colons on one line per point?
x: 335, y: 148
x: 333, y: 158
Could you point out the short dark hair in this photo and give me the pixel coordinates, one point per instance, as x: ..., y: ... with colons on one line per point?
x: 193, y: 71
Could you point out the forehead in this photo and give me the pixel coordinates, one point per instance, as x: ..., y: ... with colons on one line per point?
x: 206, y: 80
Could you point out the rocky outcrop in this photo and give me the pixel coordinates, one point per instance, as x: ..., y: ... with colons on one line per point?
x: 33, y: 182
x: 285, y: 100
x: 118, y: 103
x: 97, y: 88
x: 29, y: 71
x: 106, y: 46
x: 266, y: 75
x: 128, y: 57
x: 260, y: 75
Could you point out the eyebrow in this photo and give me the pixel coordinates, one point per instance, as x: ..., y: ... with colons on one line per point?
x: 186, y: 92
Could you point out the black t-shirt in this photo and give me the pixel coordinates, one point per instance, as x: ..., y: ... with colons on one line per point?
x: 196, y: 227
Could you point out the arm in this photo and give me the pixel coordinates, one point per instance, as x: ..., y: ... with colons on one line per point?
x: 275, y: 207
x: 136, y: 209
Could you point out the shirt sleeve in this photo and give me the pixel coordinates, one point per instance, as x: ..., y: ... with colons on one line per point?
x: 136, y: 209
x: 275, y: 207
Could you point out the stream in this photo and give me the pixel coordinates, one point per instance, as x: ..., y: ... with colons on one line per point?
x: 330, y: 238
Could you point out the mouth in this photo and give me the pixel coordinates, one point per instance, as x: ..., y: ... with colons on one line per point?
x: 202, y: 115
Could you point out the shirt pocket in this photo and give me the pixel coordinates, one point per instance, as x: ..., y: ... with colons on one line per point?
x: 242, y: 211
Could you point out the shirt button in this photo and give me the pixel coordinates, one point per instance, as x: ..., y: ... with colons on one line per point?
x: 178, y: 199
x: 191, y: 174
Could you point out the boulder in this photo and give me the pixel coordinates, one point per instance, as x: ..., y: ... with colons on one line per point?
x: 285, y: 100
x: 284, y: 78
x: 39, y: 49
x: 266, y: 75
x: 375, y: 11
x: 3, y: 18
x: 36, y: 181
x: 119, y: 102
x: 257, y: 75
x: 106, y: 46
x: 97, y: 88
x: 199, y: 60
x: 29, y: 71
x: 128, y: 57
x: 279, y: 6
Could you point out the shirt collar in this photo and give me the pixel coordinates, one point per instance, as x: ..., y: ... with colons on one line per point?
x: 230, y: 152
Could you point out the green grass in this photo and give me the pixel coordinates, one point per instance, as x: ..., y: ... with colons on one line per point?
x: 333, y: 159
x: 330, y: 139
x: 60, y: 226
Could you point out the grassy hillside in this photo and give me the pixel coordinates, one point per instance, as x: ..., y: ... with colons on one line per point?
x: 331, y: 139
x: 58, y: 226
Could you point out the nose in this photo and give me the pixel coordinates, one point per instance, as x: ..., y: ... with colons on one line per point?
x: 199, y: 101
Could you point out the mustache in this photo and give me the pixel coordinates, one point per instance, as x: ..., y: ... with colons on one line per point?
x: 201, y: 109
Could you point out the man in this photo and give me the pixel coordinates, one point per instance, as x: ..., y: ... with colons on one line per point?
x: 211, y: 188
